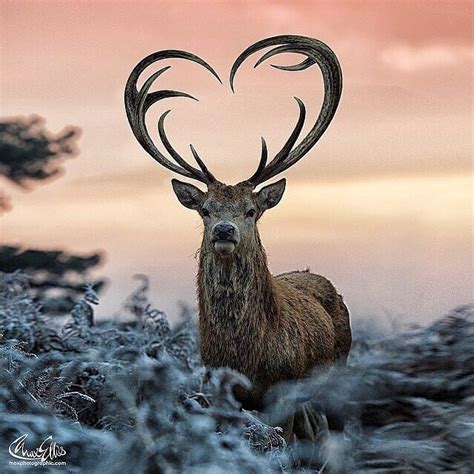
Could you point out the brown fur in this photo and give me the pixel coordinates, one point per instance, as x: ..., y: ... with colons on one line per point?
x: 270, y: 328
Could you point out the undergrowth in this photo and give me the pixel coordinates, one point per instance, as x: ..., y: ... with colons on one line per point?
x: 132, y: 396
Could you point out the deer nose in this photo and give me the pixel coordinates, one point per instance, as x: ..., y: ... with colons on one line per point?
x: 223, y: 231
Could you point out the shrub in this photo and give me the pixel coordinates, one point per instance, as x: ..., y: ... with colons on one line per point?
x: 132, y: 395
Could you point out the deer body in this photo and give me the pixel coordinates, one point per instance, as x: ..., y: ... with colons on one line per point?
x: 270, y: 328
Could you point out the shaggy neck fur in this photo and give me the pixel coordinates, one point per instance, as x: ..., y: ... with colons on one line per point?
x: 235, y: 289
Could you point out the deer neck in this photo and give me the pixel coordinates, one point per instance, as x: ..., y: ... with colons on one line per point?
x: 235, y: 289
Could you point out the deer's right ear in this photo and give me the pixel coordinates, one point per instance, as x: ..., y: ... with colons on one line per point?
x: 188, y: 195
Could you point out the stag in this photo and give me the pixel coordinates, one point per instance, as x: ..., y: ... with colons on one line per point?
x: 269, y: 328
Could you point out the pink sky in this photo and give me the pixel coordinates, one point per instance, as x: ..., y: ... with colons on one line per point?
x: 382, y: 205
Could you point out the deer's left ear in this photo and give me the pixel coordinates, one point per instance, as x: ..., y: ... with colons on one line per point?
x: 270, y: 195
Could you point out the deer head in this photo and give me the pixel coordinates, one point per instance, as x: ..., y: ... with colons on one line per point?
x: 230, y: 212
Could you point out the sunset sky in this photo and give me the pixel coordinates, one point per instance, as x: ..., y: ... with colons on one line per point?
x: 382, y: 205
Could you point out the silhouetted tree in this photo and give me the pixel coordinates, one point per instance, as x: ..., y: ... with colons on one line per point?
x: 30, y: 154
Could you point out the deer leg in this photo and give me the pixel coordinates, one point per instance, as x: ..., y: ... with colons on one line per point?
x: 311, y: 425
x: 287, y: 427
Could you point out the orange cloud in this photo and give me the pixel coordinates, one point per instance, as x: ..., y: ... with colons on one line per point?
x: 414, y: 58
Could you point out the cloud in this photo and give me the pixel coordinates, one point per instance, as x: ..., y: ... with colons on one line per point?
x: 415, y: 58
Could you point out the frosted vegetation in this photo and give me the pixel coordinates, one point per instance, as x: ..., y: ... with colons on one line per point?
x: 133, y: 397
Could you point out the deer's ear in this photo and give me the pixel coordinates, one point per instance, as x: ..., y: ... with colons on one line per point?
x: 188, y: 195
x: 270, y: 195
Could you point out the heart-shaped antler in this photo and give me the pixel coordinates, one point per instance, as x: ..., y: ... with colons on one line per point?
x: 316, y: 52
x: 137, y: 103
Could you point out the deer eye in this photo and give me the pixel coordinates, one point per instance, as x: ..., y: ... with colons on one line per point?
x: 251, y: 213
x: 205, y: 212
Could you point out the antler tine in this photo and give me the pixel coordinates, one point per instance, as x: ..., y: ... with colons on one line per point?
x: 283, y: 153
x: 137, y: 103
x: 284, y: 49
x: 201, y: 164
x: 169, y: 147
x: 316, y: 52
x: 262, y: 163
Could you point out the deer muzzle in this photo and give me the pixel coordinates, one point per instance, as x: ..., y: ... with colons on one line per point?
x: 225, y: 237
